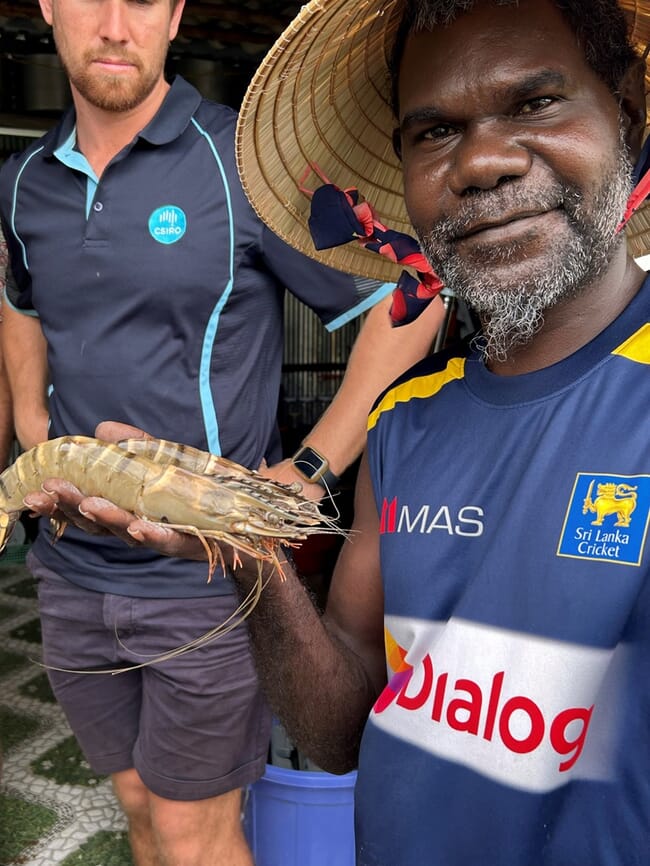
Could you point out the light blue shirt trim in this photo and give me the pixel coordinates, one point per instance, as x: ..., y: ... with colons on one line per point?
x: 14, y: 204
x: 210, y: 421
x: 7, y: 300
x: 367, y: 303
x: 74, y: 159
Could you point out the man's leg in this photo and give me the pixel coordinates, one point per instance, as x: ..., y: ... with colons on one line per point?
x: 133, y: 797
x: 204, y: 732
x: 202, y: 832
x: 194, y: 729
x: 172, y: 833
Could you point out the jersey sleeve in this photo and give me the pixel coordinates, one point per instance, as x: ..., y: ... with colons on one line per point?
x: 335, y: 297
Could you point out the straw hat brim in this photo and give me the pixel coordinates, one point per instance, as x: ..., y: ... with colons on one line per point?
x: 322, y: 97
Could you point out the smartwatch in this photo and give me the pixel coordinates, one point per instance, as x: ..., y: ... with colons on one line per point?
x: 314, y: 468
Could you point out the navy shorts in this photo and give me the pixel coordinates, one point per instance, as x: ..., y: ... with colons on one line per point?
x: 194, y: 726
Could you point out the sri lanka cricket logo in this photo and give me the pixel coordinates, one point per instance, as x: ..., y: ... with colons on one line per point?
x: 617, y: 533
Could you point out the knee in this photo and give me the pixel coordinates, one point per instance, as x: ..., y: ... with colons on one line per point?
x: 133, y: 795
x: 201, y: 831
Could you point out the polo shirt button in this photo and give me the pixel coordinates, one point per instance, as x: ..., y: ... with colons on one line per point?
x: 98, y: 206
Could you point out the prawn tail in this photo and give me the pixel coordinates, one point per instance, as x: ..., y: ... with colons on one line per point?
x: 8, y: 520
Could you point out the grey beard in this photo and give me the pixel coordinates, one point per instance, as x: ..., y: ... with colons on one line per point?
x: 511, y: 314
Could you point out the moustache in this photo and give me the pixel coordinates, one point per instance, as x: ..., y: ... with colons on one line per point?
x: 117, y: 54
x: 493, y: 206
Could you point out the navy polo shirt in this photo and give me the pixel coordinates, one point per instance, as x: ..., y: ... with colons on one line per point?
x: 160, y: 295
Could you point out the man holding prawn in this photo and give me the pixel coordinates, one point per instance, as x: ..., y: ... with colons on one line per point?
x: 484, y: 657
x: 143, y: 287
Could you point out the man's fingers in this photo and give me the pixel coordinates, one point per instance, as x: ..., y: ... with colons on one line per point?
x: 55, y: 494
x: 114, y: 431
x: 62, y: 501
x: 41, y: 504
x: 106, y: 513
x: 107, y: 517
x: 167, y: 541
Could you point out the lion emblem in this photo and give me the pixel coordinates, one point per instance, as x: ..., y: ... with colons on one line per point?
x: 618, y: 499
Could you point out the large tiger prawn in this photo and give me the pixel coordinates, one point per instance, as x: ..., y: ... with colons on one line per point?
x: 177, y: 486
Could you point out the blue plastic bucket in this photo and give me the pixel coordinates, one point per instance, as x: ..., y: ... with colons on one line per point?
x: 301, y: 818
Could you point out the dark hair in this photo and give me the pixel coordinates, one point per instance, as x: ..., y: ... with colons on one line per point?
x: 599, y: 25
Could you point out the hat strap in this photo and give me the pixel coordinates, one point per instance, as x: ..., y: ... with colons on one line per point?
x: 338, y: 217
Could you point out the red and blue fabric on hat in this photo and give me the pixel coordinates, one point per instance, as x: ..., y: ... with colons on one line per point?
x: 641, y: 191
x: 338, y: 216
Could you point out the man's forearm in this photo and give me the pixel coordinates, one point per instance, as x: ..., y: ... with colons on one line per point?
x: 6, y: 420
x: 25, y: 354
x: 379, y: 355
x: 315, y: 684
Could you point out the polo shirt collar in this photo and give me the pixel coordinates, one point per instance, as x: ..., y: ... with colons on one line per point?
x: 61, y: 134
x: 170, y: 121
x: 174, y: 115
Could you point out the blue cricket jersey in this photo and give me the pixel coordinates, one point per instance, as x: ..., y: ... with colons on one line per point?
x: 515, y: 727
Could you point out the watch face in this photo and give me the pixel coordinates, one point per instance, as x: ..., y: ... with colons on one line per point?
x: 309, y: 463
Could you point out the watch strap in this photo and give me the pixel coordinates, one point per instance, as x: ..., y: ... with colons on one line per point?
x: 328, y: 481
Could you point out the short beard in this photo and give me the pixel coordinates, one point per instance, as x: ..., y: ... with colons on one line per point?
x: 511, y: 314
x: 111, y: 94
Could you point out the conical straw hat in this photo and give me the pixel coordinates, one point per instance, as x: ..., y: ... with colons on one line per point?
x: 322, y: 96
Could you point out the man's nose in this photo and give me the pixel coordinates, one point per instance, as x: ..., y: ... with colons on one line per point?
x: 113, y: 22
x: 487, y: 155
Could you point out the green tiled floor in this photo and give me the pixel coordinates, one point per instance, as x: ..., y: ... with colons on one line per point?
x: 15, y: 727
x: 54, y: 811
x: 109, y: 849
x: 23, y: 824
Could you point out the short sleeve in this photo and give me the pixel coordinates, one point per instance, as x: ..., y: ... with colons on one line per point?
x: 17, y: 288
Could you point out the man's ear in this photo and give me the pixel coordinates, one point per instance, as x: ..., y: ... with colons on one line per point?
x: 174, y: 24
x: 46, y: 10
x: 632, y: 100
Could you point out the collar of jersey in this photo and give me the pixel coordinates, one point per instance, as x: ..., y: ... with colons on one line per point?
x: 529, y: 387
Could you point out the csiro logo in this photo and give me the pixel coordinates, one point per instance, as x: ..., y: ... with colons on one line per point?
x: 167, y: 224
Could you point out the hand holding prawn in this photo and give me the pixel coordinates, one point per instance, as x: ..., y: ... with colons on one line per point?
x: 175, y: 499
x: 62, y: 502
x: 158, y: 485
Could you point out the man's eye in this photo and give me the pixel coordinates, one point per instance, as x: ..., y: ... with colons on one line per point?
x: 438, y: 133
x: 538, y: 104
